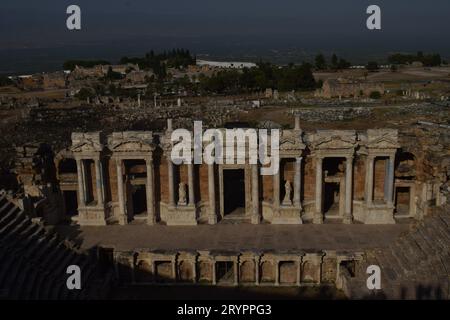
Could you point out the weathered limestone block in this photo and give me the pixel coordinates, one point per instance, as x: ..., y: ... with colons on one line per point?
x: 179, y: 215
x: 288, y: 272
x: 205, y: 271
x: 267, y: 271
x: 164, y: 271
x: 185, y: 271
x: 124, y: 270
x: 311, y: 268
x: 329, y: 270
x: 247, y: 272
x: 144, y: 272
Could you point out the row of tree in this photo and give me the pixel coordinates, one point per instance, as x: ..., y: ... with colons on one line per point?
x: 429, y: 60
x: 336, y: 63
x: 265, y: 75
x: 5, y: 81
x: 159, y: 62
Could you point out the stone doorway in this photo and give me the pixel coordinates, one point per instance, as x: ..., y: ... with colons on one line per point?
x: 224, y: 272
x: 139, y: 200
x: 71, y: 202
x: 234, y: 191
x: 402, y: 201
x: 331, y: 198
x: 334, y: 187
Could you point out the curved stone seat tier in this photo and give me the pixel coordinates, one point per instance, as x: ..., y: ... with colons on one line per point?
x: 416, y: 266
x: 34, y: 261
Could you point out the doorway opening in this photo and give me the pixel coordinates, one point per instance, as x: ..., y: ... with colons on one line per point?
x: 402, y: 201
x: 234, y: 191
x: 71, y: 202
x: 139, y: 197
x: 225, y: 272
x: 331, y: 198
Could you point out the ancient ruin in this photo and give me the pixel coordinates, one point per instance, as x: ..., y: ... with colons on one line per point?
x: 334, y: 175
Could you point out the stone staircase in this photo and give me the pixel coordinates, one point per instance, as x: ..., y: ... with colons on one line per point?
x: 33, y: 261
x: 416, y: 266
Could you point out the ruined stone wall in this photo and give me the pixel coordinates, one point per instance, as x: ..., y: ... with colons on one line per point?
x: 203, y: 183
x: 359, y: 178
x: 267, y: 188
x: 163, y: 180
x: 379, y: 177
x: 309, y: 179
x: 112, y: 181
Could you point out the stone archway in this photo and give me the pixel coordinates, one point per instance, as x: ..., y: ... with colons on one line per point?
x: 247, y: 272
x: 185, y: 272
x: 267, y: 272
x: 288, y: 272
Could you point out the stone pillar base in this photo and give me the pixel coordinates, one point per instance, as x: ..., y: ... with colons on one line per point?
x: 91, y: 216
x: 151, y: 221
x: 212, y: 219
x: 318, y: 219
x: 380, y: 215
x: 123, y: 220
x: 287, y: 216
x: 181, y: 216
x: 256, y: 219
x: 348, y: 220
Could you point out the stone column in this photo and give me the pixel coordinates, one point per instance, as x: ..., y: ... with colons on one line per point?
x: 297, y: 183
x: 194, y: 271
x: 297, y: 123
x: 213, y: 275
x: 236, y: 272
x: 191, y: 184
x: 318, y: 216
x: 132, y: 265
x: 390, y: 181
x: 174, y: 269
x: 299, y: 268
x: 369, y: 180
x: 255, y: 195
x: 171, y: 182
x: 120, y: 193
x: 99, y: 182
x: 153, y: 266
x: 81, y: 182
x: 257, y: 260
x: 276, y: 190
x: 212, y: 218
x: 277, y: 272
x: 150, y: 189
x: 86, y: 180
x: 348, y: 217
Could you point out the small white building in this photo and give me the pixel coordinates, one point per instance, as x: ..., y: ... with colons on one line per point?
x: 226, y: 65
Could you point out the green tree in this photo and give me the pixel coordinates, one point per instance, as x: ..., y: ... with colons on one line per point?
x: 5, y: 81
x: 334, y: 61
x: 320, y: 62
x: 343, y: 64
